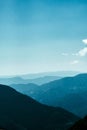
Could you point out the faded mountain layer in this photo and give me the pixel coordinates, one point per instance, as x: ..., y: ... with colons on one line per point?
x: 19, y: 112
x: 56, y: 73
x: 19, y: 80
x: 69, y: 93
x: 43, y: 80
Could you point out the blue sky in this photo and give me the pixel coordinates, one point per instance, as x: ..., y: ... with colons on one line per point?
x: 42, y: 35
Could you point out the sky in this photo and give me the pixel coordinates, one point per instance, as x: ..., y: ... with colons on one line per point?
x: 43, y: 35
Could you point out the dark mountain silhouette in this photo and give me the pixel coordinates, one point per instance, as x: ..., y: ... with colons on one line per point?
x: 6, y: 123
x: 20, y: 112
x: 69, y: 93
x: 80, y: 125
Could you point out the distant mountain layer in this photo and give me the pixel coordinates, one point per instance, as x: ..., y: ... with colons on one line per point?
x: 56, y: 73
x: 19, y: 80
x: 80, y: 125
x: 43, y: 80
x: 38, y: 78
x: 69, y: 93
x: 20, y: 112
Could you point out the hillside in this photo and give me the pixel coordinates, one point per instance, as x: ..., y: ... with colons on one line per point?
x: 19, y: 112
x: 61, y: 93
x: 28, y: 89
x: 80, y: 125
x: 69, y: 93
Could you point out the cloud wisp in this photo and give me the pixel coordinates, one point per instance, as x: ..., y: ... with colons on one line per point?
x: 84, y: 41
x: 83, y: 52
x: 64, y: 54
x: 74, y: 62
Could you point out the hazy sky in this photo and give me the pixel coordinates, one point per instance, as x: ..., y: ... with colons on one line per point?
x: 42, y: 35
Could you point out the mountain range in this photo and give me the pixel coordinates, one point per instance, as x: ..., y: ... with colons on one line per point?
x: 20, y: 112
x: 36, y: 78
x: 54, y: 73
x: 20, y: 80
x: 69, y: 93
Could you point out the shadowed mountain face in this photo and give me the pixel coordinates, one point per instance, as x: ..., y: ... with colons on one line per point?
x: 19, y: 112
x: 80, y: 125
x: 69, y: 93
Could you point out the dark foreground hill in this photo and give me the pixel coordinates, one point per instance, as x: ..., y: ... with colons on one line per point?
x: 19, y: 112
x: 80, y: 125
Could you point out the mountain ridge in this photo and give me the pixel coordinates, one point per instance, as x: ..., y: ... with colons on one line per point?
x: 27, y: 113
x: 59, y: 90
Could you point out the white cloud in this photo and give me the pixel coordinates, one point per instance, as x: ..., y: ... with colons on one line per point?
x: 84, y: 41
x: 65, y: 54
x: 74, y: 54
x: 83, y: 52
x: 74, y: 62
